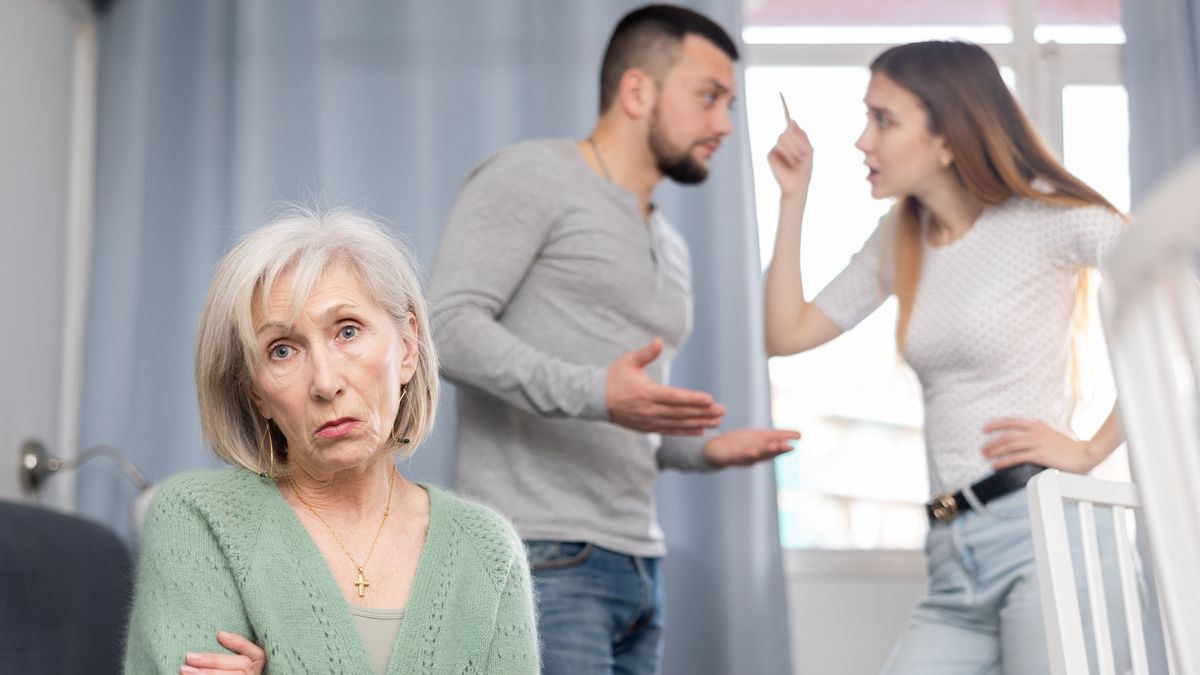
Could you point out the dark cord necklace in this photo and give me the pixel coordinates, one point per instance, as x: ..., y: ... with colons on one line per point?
x: 599, y: 158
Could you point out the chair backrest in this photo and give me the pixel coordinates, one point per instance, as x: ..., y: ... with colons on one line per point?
x: 65, y: 592
x: 1150, y: 302
x: 1049, y: 493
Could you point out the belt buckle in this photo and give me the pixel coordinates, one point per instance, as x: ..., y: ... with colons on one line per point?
x: 945, y: 508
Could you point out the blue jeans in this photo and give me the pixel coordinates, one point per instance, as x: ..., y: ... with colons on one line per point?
x: 599, y: 612
x: 982, y: 613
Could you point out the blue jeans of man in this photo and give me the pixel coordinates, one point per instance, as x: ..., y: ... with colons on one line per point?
x: 982, y: 614
x: 599, y: 612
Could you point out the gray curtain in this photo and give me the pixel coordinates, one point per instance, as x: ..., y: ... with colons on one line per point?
x: 212, y: 112
x: 1162, y: 75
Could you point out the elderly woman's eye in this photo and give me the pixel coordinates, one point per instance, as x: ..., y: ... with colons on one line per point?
x: 348, y: 332
x: 281, y: 351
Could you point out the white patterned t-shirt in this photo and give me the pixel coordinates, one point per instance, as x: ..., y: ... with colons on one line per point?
x: 990, y: 333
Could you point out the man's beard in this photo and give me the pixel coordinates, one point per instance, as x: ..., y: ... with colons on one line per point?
x: 679, y: 166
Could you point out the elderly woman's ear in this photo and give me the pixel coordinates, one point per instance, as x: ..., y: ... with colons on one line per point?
x: 257, y: 401
x: 411, y: 337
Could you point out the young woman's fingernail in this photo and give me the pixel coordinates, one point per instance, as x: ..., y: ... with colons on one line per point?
x: 188, y: 670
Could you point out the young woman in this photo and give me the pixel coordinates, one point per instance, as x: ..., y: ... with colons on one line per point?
x: 986, y: 250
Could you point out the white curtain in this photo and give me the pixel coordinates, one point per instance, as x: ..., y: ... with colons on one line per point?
x: 212, y: 112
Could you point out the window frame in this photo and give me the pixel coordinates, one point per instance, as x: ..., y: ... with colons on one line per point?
x: 1042, y: 71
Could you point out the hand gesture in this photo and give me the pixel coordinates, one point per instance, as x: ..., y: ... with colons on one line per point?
x: 1020, y: 440
x: 748, y: 446
x: 637, y: 402
x: 247, y: 658
x: 791, y: 160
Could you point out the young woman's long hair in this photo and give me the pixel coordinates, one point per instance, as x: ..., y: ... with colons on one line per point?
x: 997, y: 154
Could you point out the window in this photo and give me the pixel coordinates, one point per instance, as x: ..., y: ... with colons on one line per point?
x: 858, y: 479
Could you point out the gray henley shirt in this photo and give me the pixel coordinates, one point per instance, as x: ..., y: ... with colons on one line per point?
x: 545, y: 274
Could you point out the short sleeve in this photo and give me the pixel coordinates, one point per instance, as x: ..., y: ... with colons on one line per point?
x: 1082, y: 236
x: 866, y: 282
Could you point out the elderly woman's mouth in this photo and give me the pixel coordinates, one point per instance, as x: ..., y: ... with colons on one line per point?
x: 336, y: 428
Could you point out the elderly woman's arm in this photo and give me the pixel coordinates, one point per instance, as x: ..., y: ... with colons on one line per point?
x: 515, y: 645
x: 185, y: 590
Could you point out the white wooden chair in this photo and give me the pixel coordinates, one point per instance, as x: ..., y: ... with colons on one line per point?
x: 1150, y: 303
x: 1049, y: 493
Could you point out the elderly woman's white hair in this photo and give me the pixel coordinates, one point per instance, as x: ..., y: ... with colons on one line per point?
x: 304, y: 243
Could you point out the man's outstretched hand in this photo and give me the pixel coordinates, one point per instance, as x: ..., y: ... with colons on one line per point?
x: 637, y: 402
x: 748, y: 446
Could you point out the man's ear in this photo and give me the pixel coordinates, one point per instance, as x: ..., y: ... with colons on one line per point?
x: 637, y: 93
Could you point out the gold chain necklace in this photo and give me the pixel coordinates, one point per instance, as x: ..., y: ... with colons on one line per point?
x: 361, y: 582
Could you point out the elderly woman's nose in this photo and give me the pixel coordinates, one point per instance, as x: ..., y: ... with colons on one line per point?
x: 327, y: 378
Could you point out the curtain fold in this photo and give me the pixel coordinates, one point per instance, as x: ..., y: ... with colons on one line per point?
x: 212, y: 113
x: 1162, y: 76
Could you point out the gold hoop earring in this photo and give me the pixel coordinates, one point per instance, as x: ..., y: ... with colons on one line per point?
x: 396, y: 433
x: 270, y: 472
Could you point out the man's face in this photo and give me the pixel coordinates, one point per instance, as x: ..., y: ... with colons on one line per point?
x: 692, y: 112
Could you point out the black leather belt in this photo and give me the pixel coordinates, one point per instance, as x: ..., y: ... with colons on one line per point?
x: 945, y: 508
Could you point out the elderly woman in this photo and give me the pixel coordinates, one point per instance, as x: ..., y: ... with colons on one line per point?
x: 315, y: 373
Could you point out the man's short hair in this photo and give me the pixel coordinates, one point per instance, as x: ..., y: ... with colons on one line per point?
x: 649, y: 38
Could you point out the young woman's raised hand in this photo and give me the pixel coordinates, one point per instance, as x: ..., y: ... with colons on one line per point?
x: 792, y: 160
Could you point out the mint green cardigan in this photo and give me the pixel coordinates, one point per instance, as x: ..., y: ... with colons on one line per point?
x: 223, y: 550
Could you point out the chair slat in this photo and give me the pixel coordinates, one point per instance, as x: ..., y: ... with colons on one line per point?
x: 1129, y: 592
x: 1049, y: 492
x: 1101, y: 636
x: 1060, y: 602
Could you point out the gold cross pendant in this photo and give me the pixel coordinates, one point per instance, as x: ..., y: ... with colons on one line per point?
x: 361, y: 583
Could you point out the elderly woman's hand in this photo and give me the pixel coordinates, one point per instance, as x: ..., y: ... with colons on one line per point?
x: 247, y: 658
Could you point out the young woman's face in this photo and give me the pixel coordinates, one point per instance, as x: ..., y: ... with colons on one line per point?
x: 904, y: 157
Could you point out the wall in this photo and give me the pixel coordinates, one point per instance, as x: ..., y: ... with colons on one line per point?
x: 38, y: 41
x: 847, y: 608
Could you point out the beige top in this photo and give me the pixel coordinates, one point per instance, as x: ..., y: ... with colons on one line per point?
x: 378, y: 629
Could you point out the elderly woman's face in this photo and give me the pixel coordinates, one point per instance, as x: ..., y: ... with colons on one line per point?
x: 332, y: 381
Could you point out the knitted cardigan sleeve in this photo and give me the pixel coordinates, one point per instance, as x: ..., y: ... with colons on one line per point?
x: 514, y: 647
x: 186, y: 587
x: 512, y: 644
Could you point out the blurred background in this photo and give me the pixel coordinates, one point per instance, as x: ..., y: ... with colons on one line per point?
x: 141, y: 137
